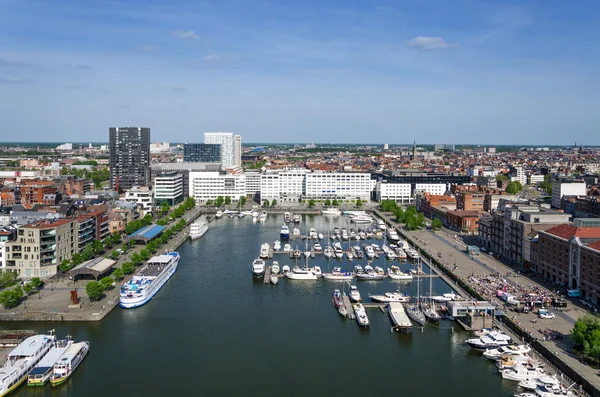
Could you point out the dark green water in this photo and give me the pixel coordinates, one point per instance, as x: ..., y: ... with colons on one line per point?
x: 213, y: 330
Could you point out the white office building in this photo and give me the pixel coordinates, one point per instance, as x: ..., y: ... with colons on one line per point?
x: 269, y: 186
x: 436, y: 189
x: 206, y: 186
x: 231, y: 147
x: 339, y: 186
x: 535, y: 179
x: 140, y: 195
x: 398, y: 192
x: 291, y: 185
x: 168, y: 187
x: 253, y: 179
x: 567, y: 188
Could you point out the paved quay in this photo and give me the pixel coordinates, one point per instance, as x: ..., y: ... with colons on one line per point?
x: 448, y: 248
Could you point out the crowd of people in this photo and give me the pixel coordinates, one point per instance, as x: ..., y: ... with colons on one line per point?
x: 496, y: 285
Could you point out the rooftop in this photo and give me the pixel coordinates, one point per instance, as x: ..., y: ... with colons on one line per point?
x: 46, y: 224
x: 568, y: 231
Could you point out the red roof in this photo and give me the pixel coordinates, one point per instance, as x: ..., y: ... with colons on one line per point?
x: 48, y: 224
x: 568, y: 231
x: 595, y: 245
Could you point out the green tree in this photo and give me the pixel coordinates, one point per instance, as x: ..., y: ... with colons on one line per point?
x: 118, y: 274
x: 436, y: 224
x: 420, y: 220
x: 586, y: 335
x: 94, y: 290
x: 164, y: 208
x: 389, y: 206
x: 114, y: 255
x: 209, y: 203
x: 400, y: 215
x: 359, y: 203
x: 514, y: 187
x: 243, y: 201
x: 7, y: 278
x: 219, y: 201
x: 274, y: 203
x: 11, y: 298
x: 97, y: 247
x: 501, y: 177
x: 335, y: 203
x: 77, y: 259
x: 144, y: 254
x: 327, y: 203
x: 128, y: 268
x: 65, y: 265
x: 135, y: 258
x: 107, y: 283
x: 227, y: 200
x: 266, y: 203
x: 36, y: 282
x: 311, y: 203
x: 28, y: 288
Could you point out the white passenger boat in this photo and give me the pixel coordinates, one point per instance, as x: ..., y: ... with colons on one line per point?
x: 394, y: 273
x: 331, y: 212
x: 390, y: 297
x: 361, y: 315
x: 509, y: 350
x: 258, y: 267
x: 40, y: 375
x: 284, y: 234
x: 198, y: 229
x: 276, y: 245
x: 22, y: 359
x: 353, y: 294
x: 69, y: 362
x: 338, y: 274
x: 399, y: 317
x: 264, y: 250
x: 489, y: 341
x: 275, y: 267
x: 148, y: 281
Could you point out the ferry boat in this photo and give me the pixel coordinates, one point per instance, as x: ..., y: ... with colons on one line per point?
x: 144, y: 285
x: 331, y: 212
x: 399, y: 317
x: 23, y: 359
x: 258, y: 267
x: 197, y: 230
x: 284, y: 234
x: 43, y: 370
x: 69, y: 362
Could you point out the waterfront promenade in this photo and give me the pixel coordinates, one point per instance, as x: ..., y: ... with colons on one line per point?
x: 449, y: 249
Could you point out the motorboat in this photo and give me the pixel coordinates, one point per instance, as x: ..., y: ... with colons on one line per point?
x: 489, y: 341
x: 332, y: 211
x: 361, y: 218
x: 276, y: 245
x: 321, y: 236
x: 263, y: 216
x: 393, y: 235
x: 353, y: 294
x: 287, y: 217
x: 379, y: 270
x: 285, y: 269
x: 352, y: 234
x: 394, y: 273
x: 390, y: 297
x: 317, y: 247
x: 198, y: 229
x: 343, y: 312
x: 450, y: 296
x: 339, y: 253
x: 381, y: 224
x: 284, y: 234
x: 312, y: 233
x: 369, y: 234
x: 296, y: 232
x: 344, y: 234
x: 522, y: 360
x: 275, y: 267
x: 296, y: 218
x: 358, y: 269
x: 401, y: 254
x: 328, y: 252
x: 519, y: 374
x: 258, y: 267
x: 337, y: 299
x: 361, y: 315
x: 402, y: 244
x: 338, y: 274
x: 317, y: 271
x: 390, y: 255
x: 369, y: 274
x: 370, y: 252
x: 509, y: 350
x: 547, y: 381
x: 287, y: 248
x: 301, y: 274
x: 350, y: 254
x: 274, y: 279
x: 297, y: 253
x: 264, y: 250
x: 413, y: 254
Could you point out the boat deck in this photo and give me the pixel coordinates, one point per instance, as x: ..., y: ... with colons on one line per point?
x: 151, y: 270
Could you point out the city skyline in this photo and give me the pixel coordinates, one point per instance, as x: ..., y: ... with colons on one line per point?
x: 337, y: 72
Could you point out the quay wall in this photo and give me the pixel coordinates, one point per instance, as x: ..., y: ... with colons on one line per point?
x: 585, y: 387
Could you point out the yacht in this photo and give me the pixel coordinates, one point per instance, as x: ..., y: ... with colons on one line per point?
x: 430, y: 312
x: 69, y: 362
x: 403, y: 244
x: 489, y: 341
x: 276, y: 245
x: 522, y: 360
x: 301, y: 274
x: 263, y: 216
x: 381, y: 224
x: 338, y: 275
x: 390, y: 297
x: 369, y: 274
x: 287, y: 248
x: 337, y: 299
x: 274, y: 279
x: 321, y: 236
x: 393, y: 235
x: 296, y: 218
x: 361, y: 218
x: 328, y: 252
x: 287, y: 217
x: 40, y: 375
x: 413, y: 254
x: 312, y: 234
x: 370, y: 252
x: 296, y: 232
x: 394, y: 273
x: 331, y: 212
x: 284, y: 234
x: 358, y: 270
x: 353, y: 294
x: 258, y: 267
x: 339, y: 252
x: 350, y: 254
x: 22, y: 360
x: 197, y: 230
x: 399, y: 317
x: 219, y: 214
x: 361, y: 315
x: 285, y: 269
x: 344, y: 234
x: 509, y: 350
x: 297, y: 253
x: 522, y: 373
x: 547, y: 382
x: 146, y: 283
x: 317, y: 247
x: 275, y: 267
x: 414, y: 312
x: 264, y: 250
x: 369, y: 234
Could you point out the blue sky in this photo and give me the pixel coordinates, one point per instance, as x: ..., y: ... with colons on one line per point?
x: 438, y: 71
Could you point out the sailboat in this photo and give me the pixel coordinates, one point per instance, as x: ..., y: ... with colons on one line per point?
x: 414, y: 309
x: 429, y: 307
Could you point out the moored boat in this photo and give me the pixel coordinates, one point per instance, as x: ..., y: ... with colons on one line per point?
x: 331, y: 212
x: 337, y: 298
x: 361, y: 315
x: 258, y: 267
x: 198, y: 229
x: 275, y: 267
x: 264, y: 251
x: 296, y: 218
x: 219, y: 214
x: 40, y: 375
x: 338, y: 275
x: 353, y: 294
x: 399, y: 317
x: 276, y: 245
x: 395, y: 273
x: 301, y: 274
x: 284, y: 234
x: 390, y: 297
x: 69, y: 362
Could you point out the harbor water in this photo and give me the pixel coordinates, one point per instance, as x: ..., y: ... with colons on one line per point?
x: 214, y: 330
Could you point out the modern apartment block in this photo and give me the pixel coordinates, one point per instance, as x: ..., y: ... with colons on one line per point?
x: 337, y: 186
x: 206, y: 186
x: 184, y: 169
x: 140, y: 195
x: 40, y: 247
x: 202, y: 152
x: 168, y: 188
x: 231, y: 147
x: 565, y: 187
x: 398, y: 192
x: 129, y: 157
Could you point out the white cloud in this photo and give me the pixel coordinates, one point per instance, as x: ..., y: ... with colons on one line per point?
x: 186, y: 35
x: 429, y: 43
x: 212, y: 58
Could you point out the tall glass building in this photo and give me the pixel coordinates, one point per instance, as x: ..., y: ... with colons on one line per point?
x: 201, y: 153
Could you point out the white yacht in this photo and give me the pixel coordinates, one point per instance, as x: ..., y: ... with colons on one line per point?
x: 321, y: 236
x: 522, y: 373
x: 353, y: 294
x: 331, y: 212
x: 23, y: 359
x: 413, y: 254
x: 317, y: 247
x: 219, y: 214
x: 361, y: 218
x: 275, y: 267
x: 546, y: 381
x: 148, y: 281
x: 328, y: 252
x: 296, y: 218
x: 361, y: 315
x: 264, y: 251
x: 510, y: 350
x: 198, y: 229
x: 381, y: 224
x: 338, y: 274
x: 312, y: 233
x: 296, y: 232
x: 339, y: 252
x: 370, y: 252
x: 287, y: 248
x: 287, y: 217
x: 284, y: 234
x: 489, y: 341
x: 394, y: 273
x: 258, y: 267
x: 263, y: 216
x: 276, y: 245
x: 393, y: 235
x: 390, y: 297
x: 447, y: 297
x: 344, y: 234
x: 301, y: 274
x: 403, y: 244
x: 369, y: 274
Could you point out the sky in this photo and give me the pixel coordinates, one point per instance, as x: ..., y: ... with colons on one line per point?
x: 323, y: 71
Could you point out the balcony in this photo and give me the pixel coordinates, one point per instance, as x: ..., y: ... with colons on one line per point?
x: 48, y: 233
x: 48, y: 248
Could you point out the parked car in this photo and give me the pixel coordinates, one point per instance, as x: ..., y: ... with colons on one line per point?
x: 482, y: 249
x: 543, y: 313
